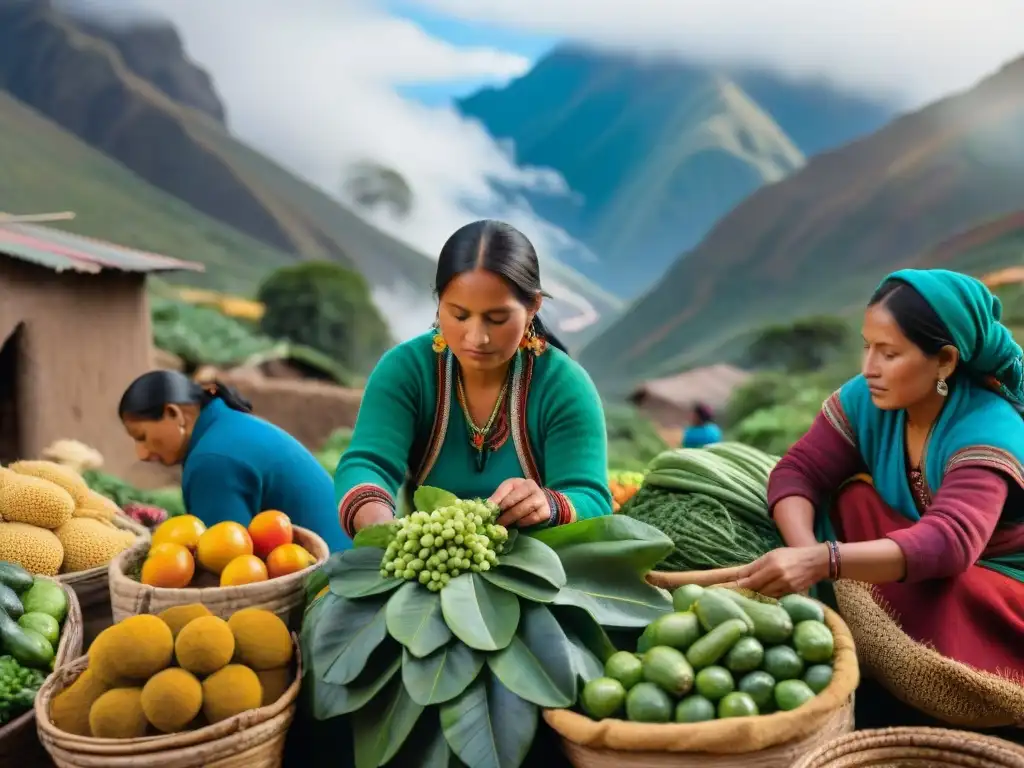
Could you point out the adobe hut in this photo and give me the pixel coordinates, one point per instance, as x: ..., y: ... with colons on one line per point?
x: 74, y: 332
x: 668, y: 402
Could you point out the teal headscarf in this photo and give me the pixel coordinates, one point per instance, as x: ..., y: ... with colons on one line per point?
x: 980, y: 422
x: 973, y: 316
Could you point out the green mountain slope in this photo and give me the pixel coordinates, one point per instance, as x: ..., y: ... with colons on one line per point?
x: 655, y: 153
x: 819, y: 241
x: 82, y: 82
x: 44, y: 168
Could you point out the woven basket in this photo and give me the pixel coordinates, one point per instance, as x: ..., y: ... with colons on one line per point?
x: 253, y: 739
x: 920, y: 676
x: 18, y: 742
x: 765, y: 741
x: 91, y: 586
x: 284, y: 595
x: 914, y: 748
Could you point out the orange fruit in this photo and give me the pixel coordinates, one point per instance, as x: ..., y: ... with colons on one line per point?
x: 288, y: 558
x: 168, y: 565
x: 244, y: 569
x: 221, y: 544
x: 269, y: 530
x: 183, y: 529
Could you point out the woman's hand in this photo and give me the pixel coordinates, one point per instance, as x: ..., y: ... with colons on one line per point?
x: 522, y: 502
x: 372, y: 513
x: 786, y: 570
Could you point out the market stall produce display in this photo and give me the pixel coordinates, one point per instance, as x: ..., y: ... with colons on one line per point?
x: 225, y: 567
x: 719, y: 654
x: 423, y: 674
x: 727, y: 678
x: 155, y: 674
x: 184, y: 552
x: 712, y: 503
x: 32, y: 611
x: 53, y: 523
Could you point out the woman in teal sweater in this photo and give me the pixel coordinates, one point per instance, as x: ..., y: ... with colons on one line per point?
x: 486, y: 405
x: 235, y: 464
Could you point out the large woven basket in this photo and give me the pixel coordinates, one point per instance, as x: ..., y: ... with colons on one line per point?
x: 920, y: 676
x: 766, y: 741
x: 914, y: 748
x: 91, y: 586
x: 253, y: 739
x: 284, y: 595
x: 18, y: 742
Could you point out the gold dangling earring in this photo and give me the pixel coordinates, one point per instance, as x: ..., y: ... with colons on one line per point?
x: 942, y: 387
x: 531, y: 341
x: 440, y: 345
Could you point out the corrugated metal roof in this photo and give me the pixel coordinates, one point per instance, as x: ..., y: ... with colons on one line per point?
x: 60, y: 251
x: 712, y: 385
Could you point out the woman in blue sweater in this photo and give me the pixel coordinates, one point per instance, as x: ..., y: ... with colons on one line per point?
x: 702, y: 430
x: 235, y: 465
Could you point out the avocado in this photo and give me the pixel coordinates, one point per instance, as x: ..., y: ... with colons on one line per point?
x: 802, y: 608
x: 714, y: 608
x: 668, y: 669
x: 15, y: 577
x: 772, y: 624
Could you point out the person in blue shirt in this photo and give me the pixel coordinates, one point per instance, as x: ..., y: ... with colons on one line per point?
x: 702, y: 430
x: 235, y: 465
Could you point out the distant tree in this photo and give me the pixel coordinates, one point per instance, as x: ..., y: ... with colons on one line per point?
x: 373, y: 186
x: 802, y: 346
x: 327, y: 307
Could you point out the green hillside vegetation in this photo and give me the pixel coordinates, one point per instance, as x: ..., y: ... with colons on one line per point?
x: 819, y: 241
x: 46, y: 169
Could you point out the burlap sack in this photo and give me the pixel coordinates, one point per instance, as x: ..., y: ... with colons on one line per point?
x: 920, y: 676
x: 732, y: 736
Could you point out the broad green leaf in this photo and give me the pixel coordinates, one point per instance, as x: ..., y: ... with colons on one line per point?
x: 537, y: 665
x: 427, y: 499
x: 606, y: 560
x: 382, y: 726
x: 579, y: 623
x: 488, y: 726
x: 415, y: 620
x: 375, y: 536
x: 510, y: 542
x: 537, y: 559
x: 356, y: 573
x: 442, y: 675
x: 630, y: 541
x: 344, y: 634
x: 585, y: 665
x: 614, y: 597
x: 478, y: 613
x: 521, y: 583
x: 426, y: 746
x: 334, y: 700
x: 315, y: 582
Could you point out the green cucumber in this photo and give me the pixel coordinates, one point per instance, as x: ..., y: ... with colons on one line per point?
x: 15, y: 577
x: 772, y: 624
x: 715, y: 644
x: 714, y: 608
x: 9, y: 603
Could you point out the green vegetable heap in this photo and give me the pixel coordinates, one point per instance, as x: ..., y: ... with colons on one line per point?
x: 18, y: 687
x: 435, y: 547
x: 718, y: 655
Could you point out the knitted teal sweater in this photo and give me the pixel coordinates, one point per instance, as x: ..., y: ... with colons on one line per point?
x: 410, y: 425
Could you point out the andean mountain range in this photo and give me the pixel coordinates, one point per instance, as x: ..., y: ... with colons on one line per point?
x: 695, y: 142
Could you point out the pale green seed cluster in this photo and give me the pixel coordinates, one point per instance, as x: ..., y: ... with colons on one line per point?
x: 435, y: 547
